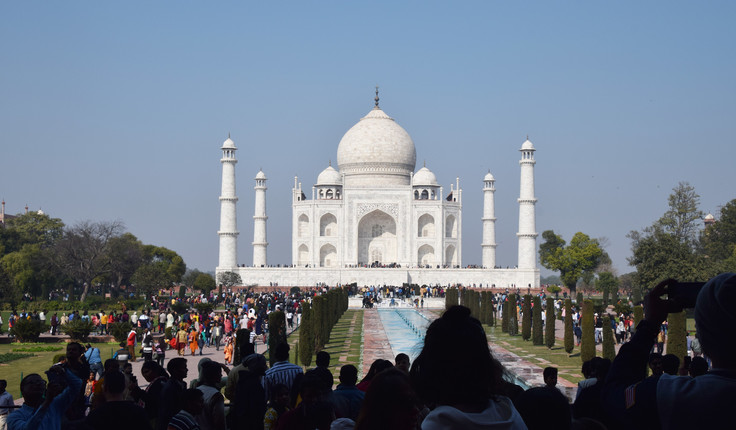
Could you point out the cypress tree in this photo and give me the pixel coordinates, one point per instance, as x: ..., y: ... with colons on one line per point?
x: 505, y: 316
x: 318, y: 328
x: 306, y: 337
x: 513, y: 316
x: 638, y: 315
x: 677, y: 335
x: 276, y: 332
x: 451, y: 298
x: 579, y: 299
x: 526, y: 318
x: 587, y: 345
x: 549, y: 328
x: 483, y: 307
x: 609, y: 351
x: 569, y: 341
x: 537, y: 334
x: 242, y: 335
x: 491, y: 310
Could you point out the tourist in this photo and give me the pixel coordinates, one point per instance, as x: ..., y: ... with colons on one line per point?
x: 402, y: 362
x: 193, y: 404
x: 44, y: 405
x: 156, y: 377
x: 171, y: 394
x: 347, y: 398
x: 282, y: 372
x: 147, y: 344
x: 457, y: 374
x: 126, y: 414
x: 181, y: 339
x: 314, y: 412
x: 377, y: 367
x: 92, y: 355
x: 678, y: 401
x: 390, y: 403
x: 131, y: 344
x: 6, y: 401
x: 278, y: 404
x: 544, y: 408
x: 550, y: 377
x: 212, y: 416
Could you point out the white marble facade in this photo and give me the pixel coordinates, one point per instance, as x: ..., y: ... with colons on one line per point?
x: 374, y: 220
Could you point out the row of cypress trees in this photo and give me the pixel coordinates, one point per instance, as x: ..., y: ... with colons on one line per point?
x: 318, y: 320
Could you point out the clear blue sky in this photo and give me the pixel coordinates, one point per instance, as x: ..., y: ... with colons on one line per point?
x: 116, y: 111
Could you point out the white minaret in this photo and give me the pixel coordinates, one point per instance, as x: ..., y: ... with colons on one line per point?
x: 228, y: 210
x: 489, y: 222
x: 259, y: 222
x: 527, y: 219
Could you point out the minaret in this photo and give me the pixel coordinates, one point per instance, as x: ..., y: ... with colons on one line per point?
x: 527, y: 219
x: 259, y: 222
x: 489, y: 222
x: 228, y: 210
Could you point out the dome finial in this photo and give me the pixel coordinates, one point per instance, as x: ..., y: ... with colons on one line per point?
x: 329, y: 163
x: 228, y: 135
x: 425, y: 163
x: 376, y: 98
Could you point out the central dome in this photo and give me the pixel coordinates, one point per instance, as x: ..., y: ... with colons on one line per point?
x: 376, y: 152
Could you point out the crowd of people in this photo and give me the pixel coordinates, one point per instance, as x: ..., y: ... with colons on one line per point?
x: 455, y: 382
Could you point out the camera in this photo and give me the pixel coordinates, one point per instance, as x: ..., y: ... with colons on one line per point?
x: 55, y: 377
x: 683, y: 295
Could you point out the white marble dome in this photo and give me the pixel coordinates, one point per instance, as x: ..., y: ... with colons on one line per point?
x: 329, y: 176
x: 260, y: 175
x: 376, y: 152
x: 425, y: 177
x: 228, y: 144
x: 527, y: 145
x: 489, y: 177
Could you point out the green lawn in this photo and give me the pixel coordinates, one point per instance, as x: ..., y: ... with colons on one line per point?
x: 40, y: 362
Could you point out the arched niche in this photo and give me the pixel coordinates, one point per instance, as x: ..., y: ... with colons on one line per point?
x: 328, y: 225
x: 425, y: 226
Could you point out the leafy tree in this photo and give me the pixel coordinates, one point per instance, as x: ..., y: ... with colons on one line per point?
x: 668, y: 248
x: 526, y: 318
x: 82, y: 253
x: 549, y: 328
x: 719, y: 239
x: 126, y: 255
x: 569, y: 341
x: 172, y: 263
x: 229, y: 279
x: 204, y: 282
x: 30, y: 228
x: 9, y: 293
x: 607, y: 284
x: 537, y: 333
x: 609, y: 350
x: 587, y: 345
x: 572, y: 261
x: 150, y: 278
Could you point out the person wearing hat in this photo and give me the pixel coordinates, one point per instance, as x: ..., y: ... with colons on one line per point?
x: 668, y: 401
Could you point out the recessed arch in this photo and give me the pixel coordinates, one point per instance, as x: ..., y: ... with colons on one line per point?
x: 328, y: 225
x: 377, y: 238
x: 450, y: 255
x: 328, y: 256
x: 425, y: 226
x: 303, y: 255
x: 303, y: 225
x: 425, y: 256
x: 451, y: 226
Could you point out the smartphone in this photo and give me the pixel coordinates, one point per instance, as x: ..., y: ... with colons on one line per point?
x: 683, y: 295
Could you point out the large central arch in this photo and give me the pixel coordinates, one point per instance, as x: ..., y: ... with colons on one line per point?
x: 377, y: 238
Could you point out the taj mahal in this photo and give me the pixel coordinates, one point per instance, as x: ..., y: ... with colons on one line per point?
x: 373, y: 220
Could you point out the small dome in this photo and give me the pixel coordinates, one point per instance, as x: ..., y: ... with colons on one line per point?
x: 40, y: 212
x: 261, y: 175
x: 425, y: 177
x: 228, y: 144
x: 489, y: 177
x: 329, y: 176
x: 527, y: 145
x: 708, y: 217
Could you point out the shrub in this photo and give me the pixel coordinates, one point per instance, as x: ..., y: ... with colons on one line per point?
x: 180, y: 307
x: 554, y: 289
x: 12, y: 356
x: 622, y: 307
x: 609, y: 350
x: 26, y: 330
x: 677, y: 335
x: 587, y: 345
x: 569, y: 341
x: 549, y: 328
x: 306, y: 338
x: 513, y: 316
x: 242, y: 335
x: 49, y: 348
x: 276, y: 332
x: 78, y: 329
x: 526, y: 318
x: 505, y: 316
x: 204, y: 308
x: 537, y: 333
x: 120, y: 330
x: 317, y: 324
x: 57, y: 358
x: 167, y: 333
x: 451, y: 297
x: 579, y: 299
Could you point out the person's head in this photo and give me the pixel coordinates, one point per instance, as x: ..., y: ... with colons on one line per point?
x: 550, y: 376
x: 377, y: 367
x: 256, y: 363
x: 655, y: 363
x: 348, y: 375
x: 211, y: 373
x: 193, y: 401
x: 542, y: 408
x: 177, y: 368
x: 587, y: 369
x: 282, y: 352
x: 323, y: 359
x: 3, y: 385
x: 91, y: 376
x: 32, y: 388
x: 128, y: 368
x: 280, y: 398
x: 670, y: 364
x: 111, y: 364
x: 390, y: 402
x: 74, y: 350
x: 698, y: 367
x: 402, y: 362
x: 114, y: 383
x: 455, y: 365
x: 152, y: 370
x: 714, y: 313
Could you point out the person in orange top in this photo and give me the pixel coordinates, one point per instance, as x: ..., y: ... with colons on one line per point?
x: 193, y: 340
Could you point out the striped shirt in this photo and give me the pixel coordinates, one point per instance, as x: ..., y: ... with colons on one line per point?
x: 281, y: 372
x: 184, y: 421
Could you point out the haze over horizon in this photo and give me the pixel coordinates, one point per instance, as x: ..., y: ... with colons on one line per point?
x: 118, y: 111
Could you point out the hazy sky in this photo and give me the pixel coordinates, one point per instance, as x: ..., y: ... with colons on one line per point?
x: 116, y: 111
